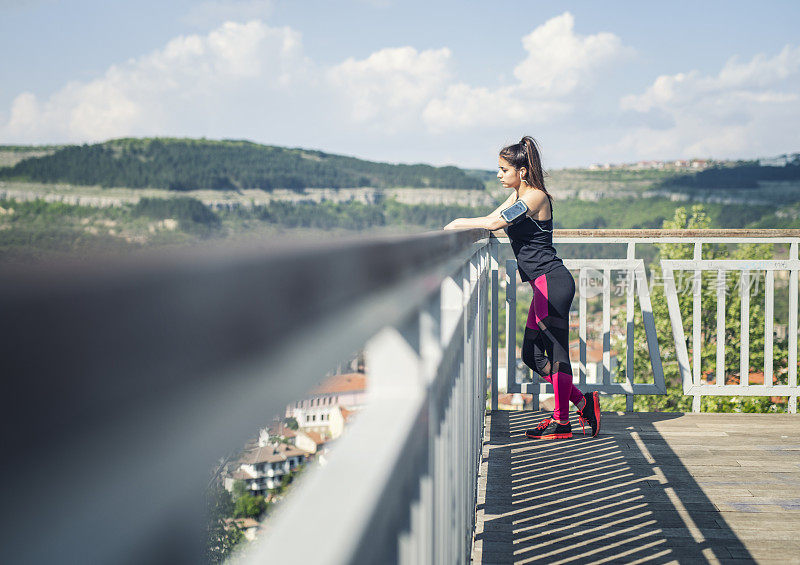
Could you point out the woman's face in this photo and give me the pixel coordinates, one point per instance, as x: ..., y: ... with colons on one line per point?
x: 508, y: 175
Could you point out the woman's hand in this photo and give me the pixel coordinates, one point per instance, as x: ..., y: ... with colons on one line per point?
x: 454, y: 225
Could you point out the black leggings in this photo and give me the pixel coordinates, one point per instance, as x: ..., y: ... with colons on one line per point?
x: 545, y: 348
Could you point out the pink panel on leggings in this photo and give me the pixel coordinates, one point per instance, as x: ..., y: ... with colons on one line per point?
x: 565, y: 392
x: 538, y: 309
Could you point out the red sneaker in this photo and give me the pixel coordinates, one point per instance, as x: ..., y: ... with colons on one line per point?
x: 591, y: 412
x: 550, y: 429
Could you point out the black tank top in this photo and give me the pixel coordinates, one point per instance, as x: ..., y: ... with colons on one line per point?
x: 532, y: 242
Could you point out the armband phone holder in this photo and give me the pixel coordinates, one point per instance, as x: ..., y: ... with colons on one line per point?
x: 515, y: 212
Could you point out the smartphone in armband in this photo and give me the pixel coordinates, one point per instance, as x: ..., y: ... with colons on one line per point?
x: 515, y: 212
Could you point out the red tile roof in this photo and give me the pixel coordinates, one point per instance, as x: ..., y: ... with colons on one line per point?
x: 594, y: 352
x: 348, y: 382
x: 733, y: 379
x: 267, y: 454
x: 270, y: 454
x: 281, y: 430
x: 315, y: 437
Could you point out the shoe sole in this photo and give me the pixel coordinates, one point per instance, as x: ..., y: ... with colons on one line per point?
x: 551, y: 436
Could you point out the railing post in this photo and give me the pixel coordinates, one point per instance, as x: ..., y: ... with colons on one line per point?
x: 721, y: 287
x: 792, y: 358
x: 606, y: 327
x: 484, y: 345
x: 697, y: 352
x: 493, y: 251
x: 744, y: 324
x: 582, y: 327
x: 769, y: 319
x: 629, y: 331
x: 448, y: 488
x: 431, y: 351
x: 395, y: 368
x: 464, y: 428
x: 511, y: 327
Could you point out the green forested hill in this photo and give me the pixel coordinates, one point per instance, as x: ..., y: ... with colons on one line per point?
x: 188, y: 164
x: 745, y: 174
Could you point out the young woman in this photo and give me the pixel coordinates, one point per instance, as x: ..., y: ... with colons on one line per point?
x: 527, y: 218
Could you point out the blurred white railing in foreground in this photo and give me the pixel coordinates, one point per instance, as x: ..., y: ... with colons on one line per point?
x: 133, y: 378
x: 401, y: 483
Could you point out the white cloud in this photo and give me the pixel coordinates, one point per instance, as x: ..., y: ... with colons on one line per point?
x: 252, y: 80
x: 191, y: 74
x: 211, y: 12
x: 391, y: 85
x: 465, y: 106
x: 748, y: 108
x: 559, y: 66
x: 401, y: 88
x: 559, y: 61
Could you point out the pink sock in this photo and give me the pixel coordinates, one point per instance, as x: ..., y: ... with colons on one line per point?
x: 565, y: 392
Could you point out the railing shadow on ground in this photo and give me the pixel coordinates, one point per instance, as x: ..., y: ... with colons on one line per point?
x: 605, y: 499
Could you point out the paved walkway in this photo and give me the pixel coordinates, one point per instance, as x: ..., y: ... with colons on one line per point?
x: 651, y: 488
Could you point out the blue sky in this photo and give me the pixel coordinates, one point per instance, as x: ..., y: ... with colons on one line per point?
x: 440, y: 82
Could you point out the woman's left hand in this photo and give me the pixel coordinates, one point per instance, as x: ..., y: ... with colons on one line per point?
x: 452, y: 225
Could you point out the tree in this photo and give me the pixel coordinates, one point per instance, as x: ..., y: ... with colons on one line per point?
x: 247, y: 505
x: 222, y: 533
x: 192, y: 215
x: 291, y: 423
x: 186, y: 164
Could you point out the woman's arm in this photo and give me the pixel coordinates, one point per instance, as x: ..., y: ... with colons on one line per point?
x: 484, y: 222
x: 533, y: 200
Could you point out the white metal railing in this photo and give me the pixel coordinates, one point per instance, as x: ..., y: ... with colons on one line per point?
x: 693, y: 383
x: 636, y: 279
x: 637, y: 283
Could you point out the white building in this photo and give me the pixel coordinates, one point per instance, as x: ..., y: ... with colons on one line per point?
x: 312, y: 442
x: 594, y: 362
x: 330, y: 405
x: 263, y: 468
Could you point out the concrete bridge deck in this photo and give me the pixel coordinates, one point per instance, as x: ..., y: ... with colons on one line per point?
x: 651, y: 488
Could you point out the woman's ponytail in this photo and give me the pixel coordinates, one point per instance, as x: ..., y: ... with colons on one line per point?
x: 525, y: 154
